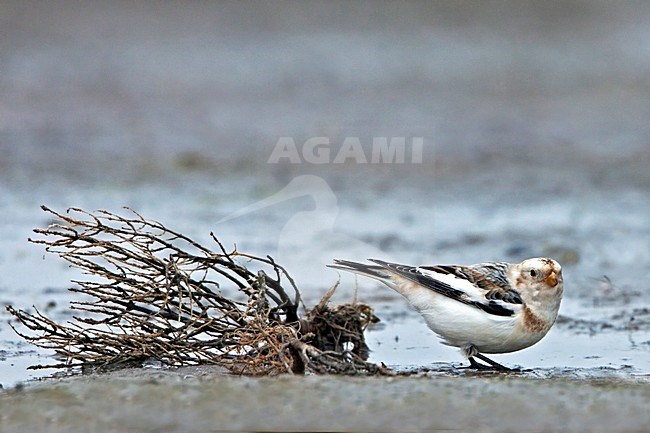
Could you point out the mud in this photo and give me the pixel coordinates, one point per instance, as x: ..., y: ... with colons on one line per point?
x: 202, y: 400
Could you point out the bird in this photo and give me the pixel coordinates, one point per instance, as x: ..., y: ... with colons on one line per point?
x: 485, y: 308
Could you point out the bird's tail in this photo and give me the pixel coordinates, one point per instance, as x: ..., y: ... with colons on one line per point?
x: 375, y: 272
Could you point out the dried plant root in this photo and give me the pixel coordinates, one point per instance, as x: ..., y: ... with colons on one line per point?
x: 155, y: 294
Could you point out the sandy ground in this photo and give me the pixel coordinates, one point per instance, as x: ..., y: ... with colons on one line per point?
x: 200, y: 400
x: 535, y: 143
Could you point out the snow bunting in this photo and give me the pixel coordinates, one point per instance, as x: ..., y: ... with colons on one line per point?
x: 491, y: 307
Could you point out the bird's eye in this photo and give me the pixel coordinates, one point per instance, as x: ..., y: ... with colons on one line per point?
x: 533, y: 273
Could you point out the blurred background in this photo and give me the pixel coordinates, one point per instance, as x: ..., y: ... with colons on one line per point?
x: 534, y: 117
x: 107, y: 89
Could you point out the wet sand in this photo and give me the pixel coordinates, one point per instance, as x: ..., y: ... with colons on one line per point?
x: 200, y: 400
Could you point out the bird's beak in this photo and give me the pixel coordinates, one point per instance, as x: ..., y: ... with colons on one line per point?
x: 551, y: 280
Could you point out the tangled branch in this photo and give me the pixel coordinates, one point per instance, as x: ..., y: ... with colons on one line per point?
x: 157, y: 294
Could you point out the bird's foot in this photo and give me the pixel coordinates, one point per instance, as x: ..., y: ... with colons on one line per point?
x: 493, y: 366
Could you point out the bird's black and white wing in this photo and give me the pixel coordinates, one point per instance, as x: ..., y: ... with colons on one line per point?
x: 483, y: 286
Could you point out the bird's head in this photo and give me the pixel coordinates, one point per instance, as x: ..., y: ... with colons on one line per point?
x: 539, y: 277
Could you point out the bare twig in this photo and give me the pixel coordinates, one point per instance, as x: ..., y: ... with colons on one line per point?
x: 157, y: 294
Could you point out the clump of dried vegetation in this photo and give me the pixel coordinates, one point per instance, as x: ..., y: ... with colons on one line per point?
x: 155, y: 294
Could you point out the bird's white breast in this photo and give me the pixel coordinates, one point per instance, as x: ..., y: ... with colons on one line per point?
x: 459, y: 324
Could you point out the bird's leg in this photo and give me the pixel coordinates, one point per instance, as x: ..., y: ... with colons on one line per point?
x: 476, y: 365
x: 495, y: 365
x: 471, y: 351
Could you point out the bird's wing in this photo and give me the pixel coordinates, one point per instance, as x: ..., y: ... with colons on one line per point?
x: 493, y: 279
x: 483, y: 286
